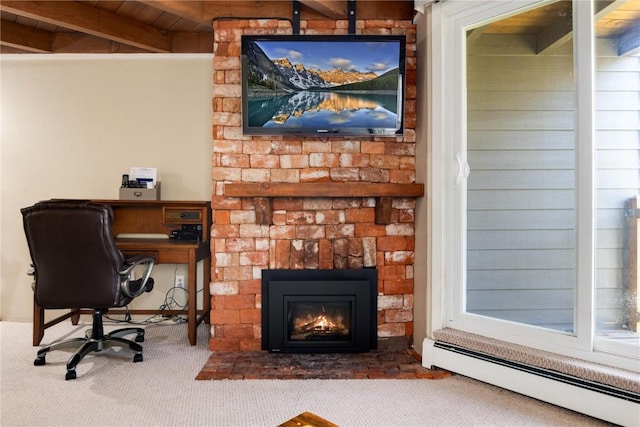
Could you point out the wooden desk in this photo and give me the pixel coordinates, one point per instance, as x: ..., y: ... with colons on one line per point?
x: 158, y: 217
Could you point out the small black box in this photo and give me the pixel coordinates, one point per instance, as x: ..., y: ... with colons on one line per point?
x: 192, y: 227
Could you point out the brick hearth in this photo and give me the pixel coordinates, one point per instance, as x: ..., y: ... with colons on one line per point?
x: 392, y: 360
x: 305, y: 232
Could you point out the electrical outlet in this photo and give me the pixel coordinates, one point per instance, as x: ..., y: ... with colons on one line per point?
x: 180, y: 282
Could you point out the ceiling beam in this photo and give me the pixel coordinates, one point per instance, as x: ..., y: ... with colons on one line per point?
x: 33, y: 40
x: 192, y: 42
x: 80, y: 16
x: 25, y: 38
x: 329, y: 8
x: 602, y: 8
x: 559, y: 32
x: 629, y: 42
x: 82, y: 43
x: 191, y: 10
x: 395, y: 10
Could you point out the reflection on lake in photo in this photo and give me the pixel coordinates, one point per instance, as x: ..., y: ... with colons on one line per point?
x: 324, y: 110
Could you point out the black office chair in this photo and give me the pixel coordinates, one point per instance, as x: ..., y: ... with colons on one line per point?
x: 76, y: 265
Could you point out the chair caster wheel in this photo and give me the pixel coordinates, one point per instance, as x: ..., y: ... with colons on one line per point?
x: 71, y: 375
x: 137, y: 358
x: 39, y: 361
x: 139, y: 338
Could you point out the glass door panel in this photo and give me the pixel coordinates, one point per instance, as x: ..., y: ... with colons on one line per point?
x: 617, y: 176
x: 521, y: 153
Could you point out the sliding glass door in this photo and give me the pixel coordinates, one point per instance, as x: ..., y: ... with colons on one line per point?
x: 521, y: 221
x: 542, y: 173
x: 616, y: 147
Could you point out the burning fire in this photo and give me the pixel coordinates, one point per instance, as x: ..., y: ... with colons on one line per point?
x: 319, y: 324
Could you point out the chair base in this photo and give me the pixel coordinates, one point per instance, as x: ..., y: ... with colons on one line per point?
x: 95, y: 341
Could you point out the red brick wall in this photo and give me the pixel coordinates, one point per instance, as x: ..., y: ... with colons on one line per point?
x: 306, y: 232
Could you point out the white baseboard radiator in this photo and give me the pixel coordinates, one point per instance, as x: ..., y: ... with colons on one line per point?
x: 596, y: 390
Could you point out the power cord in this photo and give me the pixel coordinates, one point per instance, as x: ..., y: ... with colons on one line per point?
x: 175, y: 299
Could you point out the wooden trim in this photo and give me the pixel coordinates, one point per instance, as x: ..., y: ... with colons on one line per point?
x: 323, y: 189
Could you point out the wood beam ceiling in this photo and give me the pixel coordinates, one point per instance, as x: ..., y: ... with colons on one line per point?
x: 90, y: 20
x: 184, y: 26
x: 163, y: 26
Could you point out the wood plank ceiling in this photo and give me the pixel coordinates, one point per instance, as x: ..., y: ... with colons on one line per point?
x: 163, y: 26
x: 183, y: 26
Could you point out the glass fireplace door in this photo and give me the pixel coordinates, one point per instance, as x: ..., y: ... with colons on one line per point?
x: 327, y: 319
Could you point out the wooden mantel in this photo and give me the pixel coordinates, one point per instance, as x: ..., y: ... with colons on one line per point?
x: 323, y: 189
x: 262, y: 192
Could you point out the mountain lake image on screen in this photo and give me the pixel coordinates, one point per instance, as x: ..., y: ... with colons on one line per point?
x: 313, y: 85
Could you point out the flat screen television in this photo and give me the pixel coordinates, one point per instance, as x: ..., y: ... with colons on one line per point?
x: 323, y: 85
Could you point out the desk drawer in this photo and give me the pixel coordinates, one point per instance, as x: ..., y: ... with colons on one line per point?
x: 154, y: 254
x: 173, y: 257
x: 182, y: 215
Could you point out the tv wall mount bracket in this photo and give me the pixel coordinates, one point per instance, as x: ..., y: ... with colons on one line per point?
x: 296, y: 17
x: 352, y: 16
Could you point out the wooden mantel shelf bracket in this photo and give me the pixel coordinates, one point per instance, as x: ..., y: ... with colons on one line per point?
x: 263, y: 192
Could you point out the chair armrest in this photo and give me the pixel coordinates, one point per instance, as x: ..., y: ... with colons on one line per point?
x: 125, y: 275
x: 32, y: 272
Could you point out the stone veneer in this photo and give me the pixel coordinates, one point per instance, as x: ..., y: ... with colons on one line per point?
x: 307, y: 233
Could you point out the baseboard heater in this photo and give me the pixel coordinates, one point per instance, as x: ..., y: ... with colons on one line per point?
x: 609, y: 394
x: 546, y: 373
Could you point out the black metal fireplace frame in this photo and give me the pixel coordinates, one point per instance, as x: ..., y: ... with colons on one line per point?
x: 358, y: 285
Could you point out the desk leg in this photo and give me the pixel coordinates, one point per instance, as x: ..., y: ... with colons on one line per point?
x: 38, y: 323
x: 206, y: 294
x: 193, y: 300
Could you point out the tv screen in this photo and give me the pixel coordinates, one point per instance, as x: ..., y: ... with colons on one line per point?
x: 323, y: 85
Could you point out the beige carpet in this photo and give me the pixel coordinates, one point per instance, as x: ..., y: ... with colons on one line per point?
x: 162, y: 391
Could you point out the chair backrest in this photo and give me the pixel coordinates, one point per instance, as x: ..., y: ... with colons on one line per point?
x: 74, y: 254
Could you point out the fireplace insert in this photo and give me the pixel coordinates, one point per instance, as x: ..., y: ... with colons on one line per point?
x: 319, y: 311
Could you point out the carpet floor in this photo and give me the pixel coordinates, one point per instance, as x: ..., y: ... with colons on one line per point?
x: 111, y: 390
x: 393, y: 359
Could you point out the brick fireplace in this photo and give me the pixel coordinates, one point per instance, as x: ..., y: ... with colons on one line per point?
x: 306, y: 203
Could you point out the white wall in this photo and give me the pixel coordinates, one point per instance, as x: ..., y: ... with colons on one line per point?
x: 71, y: 125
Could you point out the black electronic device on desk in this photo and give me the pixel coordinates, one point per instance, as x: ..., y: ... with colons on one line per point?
x: 191, y: 232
